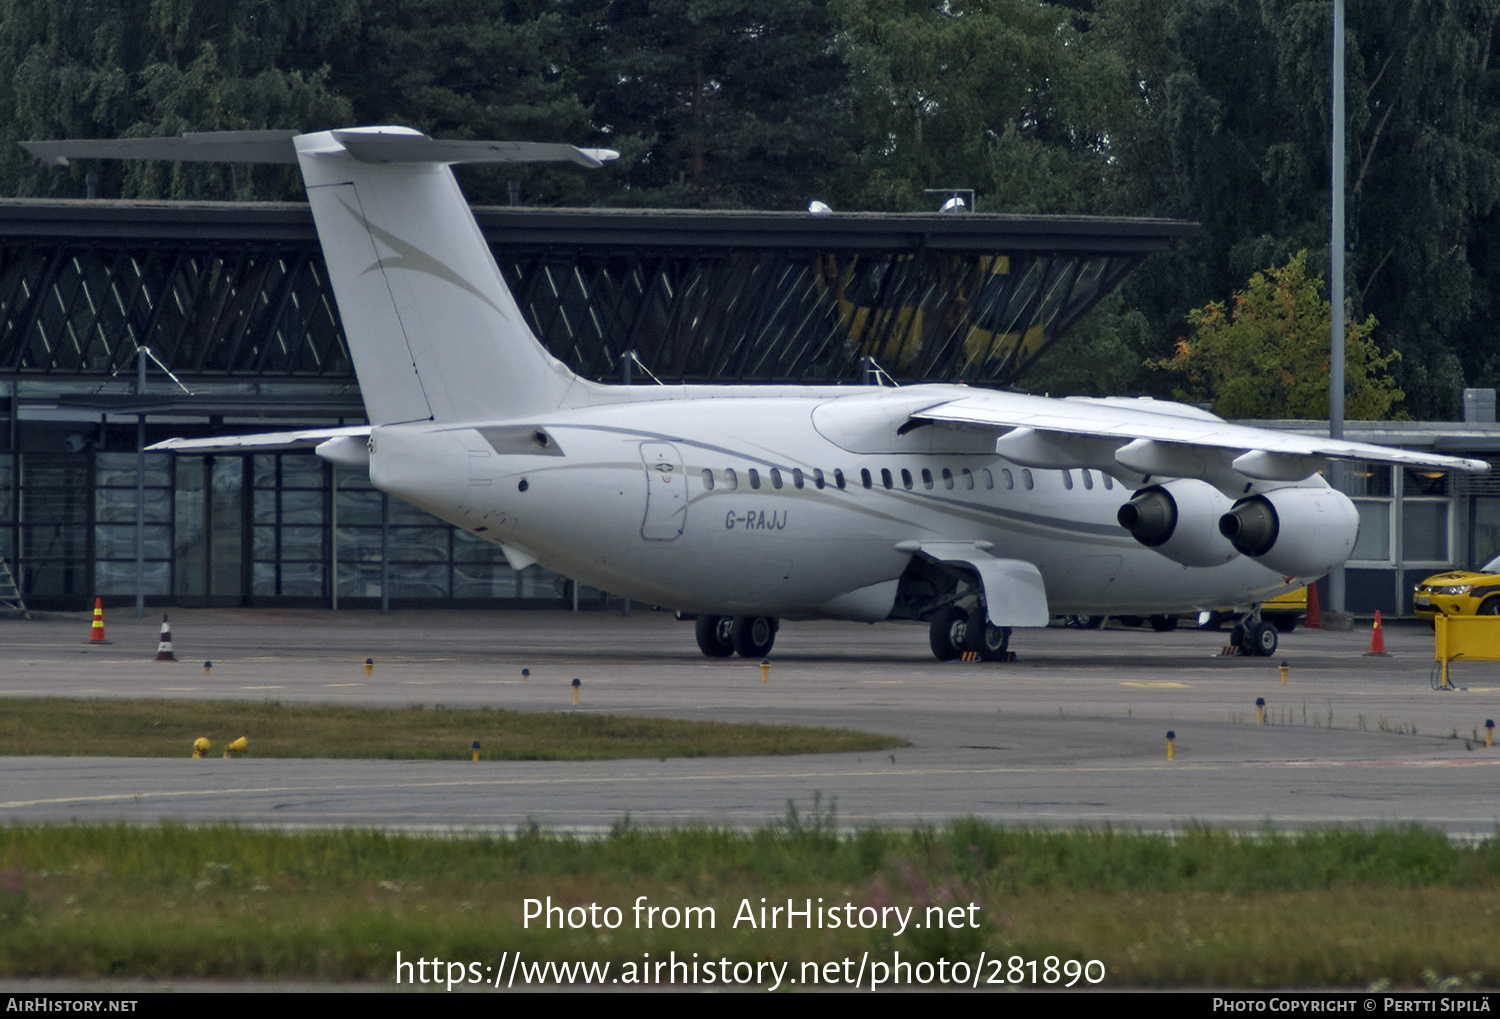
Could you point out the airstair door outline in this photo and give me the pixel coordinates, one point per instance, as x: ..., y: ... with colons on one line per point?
x: 666, y: 492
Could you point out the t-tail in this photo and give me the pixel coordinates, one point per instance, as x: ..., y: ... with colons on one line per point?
x: 434, y: 331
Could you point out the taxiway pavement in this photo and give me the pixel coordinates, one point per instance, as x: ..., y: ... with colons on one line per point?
x: 1073, y: 732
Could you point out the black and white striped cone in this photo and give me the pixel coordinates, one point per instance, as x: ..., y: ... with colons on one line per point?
x: 164, y: 646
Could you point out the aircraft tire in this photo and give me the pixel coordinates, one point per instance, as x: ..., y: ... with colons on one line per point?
x: 1260, y: 639
x: 753, y: 635
x: 995, y: 643
x: 715, y: 639
x: 1163, y: 624
x: 949, y: 634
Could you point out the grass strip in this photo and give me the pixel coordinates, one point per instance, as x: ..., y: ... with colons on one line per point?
x: 167, y: 728
x: 1337, y: 908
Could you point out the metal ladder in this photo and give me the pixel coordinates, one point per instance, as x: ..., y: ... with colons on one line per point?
x: 10, y: 593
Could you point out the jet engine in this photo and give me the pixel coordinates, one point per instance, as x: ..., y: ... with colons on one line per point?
x: 1298, y: 532
x: 1179, y: 520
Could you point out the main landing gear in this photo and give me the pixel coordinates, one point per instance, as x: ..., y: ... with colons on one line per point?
x: 749, y: 636
x: 954, y: 631
x: 1256, y: 637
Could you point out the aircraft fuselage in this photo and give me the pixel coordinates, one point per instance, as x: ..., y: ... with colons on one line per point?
x: 710, y: 501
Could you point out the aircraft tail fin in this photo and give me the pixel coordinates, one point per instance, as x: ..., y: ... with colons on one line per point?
x: 434, y: 331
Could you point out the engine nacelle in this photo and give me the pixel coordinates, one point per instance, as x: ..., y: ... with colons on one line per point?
x: 1298, y: 532
x: 1180, y: 519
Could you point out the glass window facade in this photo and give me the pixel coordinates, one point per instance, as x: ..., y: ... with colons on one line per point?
x: 267, y: 528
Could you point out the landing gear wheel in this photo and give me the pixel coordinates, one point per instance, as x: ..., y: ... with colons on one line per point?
x: 1084, y: 622
x: 753, y: 636
x: 714, y: 636
x: 1259, y: 639
x: 1163, y: 624
x: 994, y: 643
x: 949, y: 634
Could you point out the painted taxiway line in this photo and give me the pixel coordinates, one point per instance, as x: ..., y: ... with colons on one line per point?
x: 656, y: 777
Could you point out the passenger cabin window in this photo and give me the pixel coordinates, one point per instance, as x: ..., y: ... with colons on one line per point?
x: 989, y: 479
x: 968, y: 479
x: 864, y: 477
x: 1068, y: 480
x: 926, y: 478
x: 1026, y: 479
x: 797, y: 477
x: 885, y: 478
x: 754, y: 478
x: 731, y: 479
x: 838, y: 480
x: 1088, y: 479
x: 708, y: 479
x: 1008, y: 478
x: 818, y: 478
x: 1109, y: 483
x: 947, y: 479
x: 775, y: 477
x: 906, y: 479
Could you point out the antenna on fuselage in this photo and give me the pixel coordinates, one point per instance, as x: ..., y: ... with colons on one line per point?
x: 632, y: 358
x: 876, y: 375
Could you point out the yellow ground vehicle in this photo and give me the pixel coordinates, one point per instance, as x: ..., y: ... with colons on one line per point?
x: 1286, y: 610
x: 1460, y: 593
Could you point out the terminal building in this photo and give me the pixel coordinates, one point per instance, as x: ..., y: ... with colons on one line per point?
x: 124, y: 323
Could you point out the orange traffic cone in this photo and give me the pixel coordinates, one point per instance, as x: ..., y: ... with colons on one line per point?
x: 164, y: 646
x: 96, y: 632
x: 1314, y: 619
x: 1377, y: 638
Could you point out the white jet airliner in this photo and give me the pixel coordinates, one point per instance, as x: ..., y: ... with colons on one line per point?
x: 974, y: 511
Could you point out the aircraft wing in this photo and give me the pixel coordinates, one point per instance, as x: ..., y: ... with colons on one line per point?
x: 1152, y: 437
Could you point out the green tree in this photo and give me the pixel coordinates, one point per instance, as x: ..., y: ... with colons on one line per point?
x: 1002, y: 96
x: 1266, y: 354
x: 1105, y: 354
x: 129, y: 68
x: 476, y: 69
x: 1231, y: 129
x: 717, y: 103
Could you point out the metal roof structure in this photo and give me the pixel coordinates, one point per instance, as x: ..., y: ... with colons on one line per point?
x: 237, y: 293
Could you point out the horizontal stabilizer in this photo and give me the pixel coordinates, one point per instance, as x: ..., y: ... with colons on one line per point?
x: 202, y: 147
x: 378, y: 147
x: 264, y: 442
x: 367, y: 146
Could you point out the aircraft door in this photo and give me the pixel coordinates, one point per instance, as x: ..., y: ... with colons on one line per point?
x: 666, y: 492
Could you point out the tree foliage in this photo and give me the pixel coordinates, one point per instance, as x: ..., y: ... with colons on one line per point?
x: 1214, y: 111
x: 999, y: 96
x: 737, y: 103
x: 1265, y: 355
